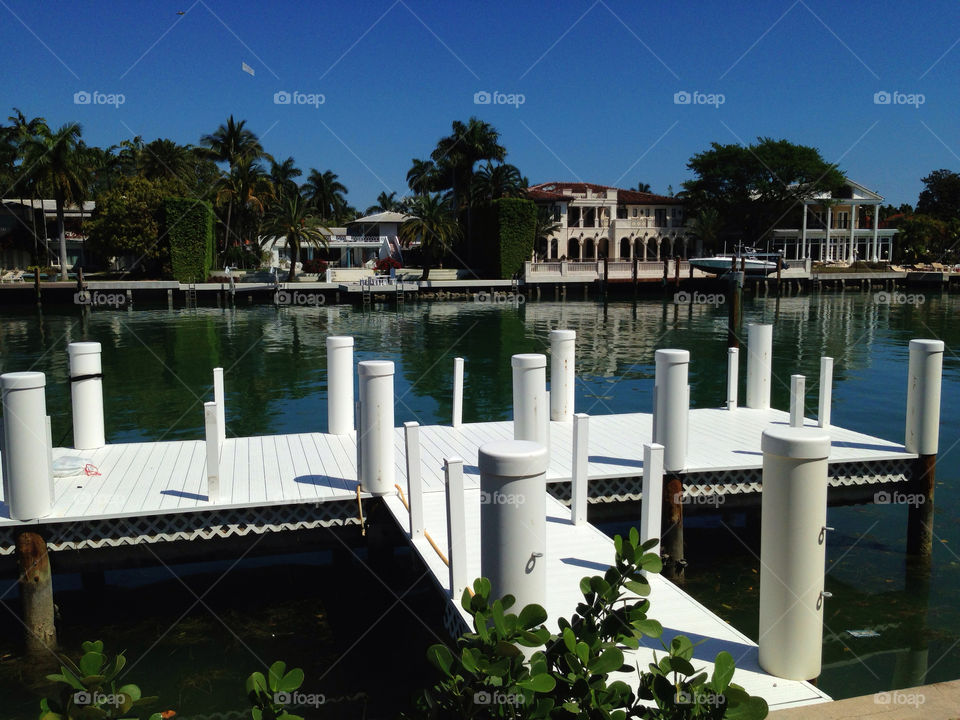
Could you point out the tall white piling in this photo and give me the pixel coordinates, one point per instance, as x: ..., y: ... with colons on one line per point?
x: 530, y: 418
x: 793, y: 550
x: 86, y: 393
x: 457, y: 419
x: 375, y: 433
x: 340, y: 385
x: 211, y: 421
x: 671, y: 412
x: 923, y: 396
x: 759, y: 365
x: 221, y: 405
x: 798, y: 389
x: 411, y: 438
x: 579, y: 480
x: 456, y: 526
x: 652, y: 506
x: 562, y: 379
x: 513, y: 519
x: 733, y: 377
x: 826, y: 392
x: 26, y: 457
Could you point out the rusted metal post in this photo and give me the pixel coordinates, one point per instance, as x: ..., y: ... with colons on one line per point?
x: 36, y: 593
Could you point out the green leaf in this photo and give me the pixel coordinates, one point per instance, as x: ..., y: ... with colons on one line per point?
x: 468, y: 660
x: 507, y: 649
x: 91, y: 663
x: 682, y: 647
x: 651, y: 562
x: 753, y: 709
x: 608, y: 661
x: 723, y: 668
x: 681, y: 665
x: 95, y: 646
x: 291, y: 681
x: 569, y: 639
x: 542, y: 683
x: 583, y: 652
x: 441, y: 658
x: 648, y: 627
x: 634, y: 536
x: 256, y: 683
x: 640, y: 588
x: 257, y: 713
x: 532, y: 616
x: 70, y: 679
x: 275, y: 675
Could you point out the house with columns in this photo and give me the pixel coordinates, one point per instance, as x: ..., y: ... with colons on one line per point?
x: 839, y: 227
x: 597, y: 221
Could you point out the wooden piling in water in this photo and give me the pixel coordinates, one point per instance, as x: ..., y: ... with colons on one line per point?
x: 672, y: 528
x: 36, y: 593
x: 920, y: 511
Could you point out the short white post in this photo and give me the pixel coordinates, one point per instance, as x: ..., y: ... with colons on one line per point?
x: 26, y: 457
x: 651, y: 507
x: 826, y: 392
x: 793, y: 550
x: 513, y: 519
x: 530, y: 410
x: 733, y: 377
x: 562, y: 379
x: 578, y: 482
x: 798, y: 389
x: 457, y: 392
x: 456, y: 527
x: 671, y: 412
x: 376, y: 426
x: 759, y: 365
x: 212, y: 434
x: 411, y: 439
x: 86, y: 392
x: 218, y: 399
x: 340, y: 385
x: 925, y: 371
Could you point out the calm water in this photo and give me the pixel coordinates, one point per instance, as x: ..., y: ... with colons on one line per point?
x: 331, y: 619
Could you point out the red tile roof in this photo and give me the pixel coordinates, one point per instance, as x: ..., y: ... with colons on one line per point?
x: 554, y: 191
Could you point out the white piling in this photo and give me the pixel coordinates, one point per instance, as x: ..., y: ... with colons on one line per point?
x: 826, y: 392
x: 340, y: 400
x: 562, y: 379
x: 793, y: 551
x: 513, y: 509
x: 759, y: 365
x: 219, y: 400
x: 651, y: 507
x: 212, y: 435
x: 27, y: 455
x: 457, y: 420
x: 456, y: 527
x: 671, y: 412
x: 578, y: 483
x: 733, y: 377
x: 530, y: 411
x: 924, y: 379
x: 86, y: 391
x: 376, y: 426
x: 798, y: 389
x: 411, y: 439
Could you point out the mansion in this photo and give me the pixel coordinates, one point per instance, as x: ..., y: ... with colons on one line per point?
x: 596, y: 221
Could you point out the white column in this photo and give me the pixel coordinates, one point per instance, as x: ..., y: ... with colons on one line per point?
x: 28, y: 477
x: 733, y: 377
x: 530, y: 411
x: 924, y: 378
x: 803, y: 232
x: 375, y: 434
x: 513, y: 519
x: 876, y: 226
x: 798, y: 384
x: 411, y: 439
x: 456, y: 526
x: 759, y: 364
x: 212, y: 441
x: 86, y: 393
x: 671, y: 411
x: 652, y: 504
x: 853, y: 238
x: 827, y: 233
x: 562, y: 379
x: 221, y: 407
x: 826, y: 392
x: 339, y: 385
x: 793, y: 551
x: 579, y: 479
x: 457, y: 419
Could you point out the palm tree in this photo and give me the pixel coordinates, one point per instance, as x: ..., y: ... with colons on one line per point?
x: 290, y: 218
x: 432, y: 221
x: 492, y: 182
x: 643, y: 187
x: 54, y: 160
x: 22, y: 132
x: 421, y: 177
x: 544, y: 229
x: 325, y: 193
x: 248, y: 188
x: 456, y: 155
x: 166, y: 159
x: 282, y: 176
x: 386, y: 202
x: 705, y: 227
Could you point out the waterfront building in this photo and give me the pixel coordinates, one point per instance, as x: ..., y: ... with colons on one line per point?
x: 16, y: 232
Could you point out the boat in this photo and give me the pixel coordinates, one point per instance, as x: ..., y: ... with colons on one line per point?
x: 752, y: 262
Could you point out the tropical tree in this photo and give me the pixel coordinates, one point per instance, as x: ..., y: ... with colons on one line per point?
x: 166, y: 159
x: 543, y: 231
x: 126, y: 221
x: 643, y: 187
x: 705, y: 228
x: 457, y: 154
x: 433, y: 224
x: 283, y: 175
x: 54, y: 160
x: 492, y: 182
x: 386, y: 202
x: 325, y: 193
x: 940, y: 196
x: 291, y: 218
x: 421, y: 177
x: 248, y: 190
x: 21, y: 181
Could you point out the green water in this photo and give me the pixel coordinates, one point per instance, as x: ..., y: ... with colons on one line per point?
x: 332, y: 619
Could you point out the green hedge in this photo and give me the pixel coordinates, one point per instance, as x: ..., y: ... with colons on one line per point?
x: 507, y: 228
x: 188, y: 226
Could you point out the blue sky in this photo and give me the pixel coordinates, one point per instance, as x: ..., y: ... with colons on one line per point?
x: 598, y: 81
